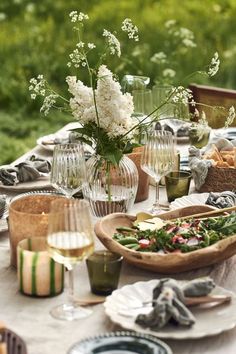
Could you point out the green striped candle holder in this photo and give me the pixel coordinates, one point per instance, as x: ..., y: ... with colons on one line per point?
x: 38, y: 274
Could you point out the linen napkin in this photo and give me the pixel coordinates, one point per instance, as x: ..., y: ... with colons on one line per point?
x: 168, y: 302
x: 26, y: 171
x: 222, y: 200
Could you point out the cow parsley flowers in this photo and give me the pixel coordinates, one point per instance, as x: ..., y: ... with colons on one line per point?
x: 102, y: 109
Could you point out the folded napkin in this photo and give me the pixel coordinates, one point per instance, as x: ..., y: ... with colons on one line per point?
x: 222, y: 200
x: 29, y: 170
x: 168, y: 302
x: 182, y: 131
x: 198, y: 166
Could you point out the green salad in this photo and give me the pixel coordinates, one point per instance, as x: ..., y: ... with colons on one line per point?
x: 177, y: 236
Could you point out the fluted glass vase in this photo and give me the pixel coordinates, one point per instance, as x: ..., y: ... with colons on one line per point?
x: 110, y: 188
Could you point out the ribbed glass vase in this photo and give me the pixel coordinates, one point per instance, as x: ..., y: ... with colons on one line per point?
x: 110, y: 188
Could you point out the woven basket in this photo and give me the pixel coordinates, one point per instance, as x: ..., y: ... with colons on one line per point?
x: 219, y: 180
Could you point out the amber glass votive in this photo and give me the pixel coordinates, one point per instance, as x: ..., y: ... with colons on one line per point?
x: 28, y: 217
x: 177, y: 184
x: 104, y: 271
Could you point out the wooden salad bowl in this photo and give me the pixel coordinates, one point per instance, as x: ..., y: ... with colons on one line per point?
x: 164, y: 263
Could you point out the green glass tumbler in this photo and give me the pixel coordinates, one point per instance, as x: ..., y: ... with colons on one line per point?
x: 104, y: 271
x: 177, y: 184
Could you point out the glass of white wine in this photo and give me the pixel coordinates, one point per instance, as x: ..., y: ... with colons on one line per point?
x: 70, y: 240
x: 68, y: 168
x: 157, y: 159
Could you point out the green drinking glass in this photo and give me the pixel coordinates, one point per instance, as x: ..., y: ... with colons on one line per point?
x: 177, y: 184
x: 104, y: 271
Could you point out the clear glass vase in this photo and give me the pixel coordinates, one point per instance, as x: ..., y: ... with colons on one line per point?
x: 110, y: 188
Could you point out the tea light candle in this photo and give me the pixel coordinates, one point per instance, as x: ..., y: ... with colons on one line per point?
x: 38, y: 274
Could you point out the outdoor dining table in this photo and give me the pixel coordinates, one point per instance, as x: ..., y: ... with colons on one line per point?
x: 30, y: 317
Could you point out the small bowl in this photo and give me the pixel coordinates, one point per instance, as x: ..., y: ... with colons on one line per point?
x: 28, y: 217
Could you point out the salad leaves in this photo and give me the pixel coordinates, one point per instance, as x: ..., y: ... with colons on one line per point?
x: 178, y: 236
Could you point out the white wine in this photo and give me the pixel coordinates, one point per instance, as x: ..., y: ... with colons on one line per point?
x: 70, y: 247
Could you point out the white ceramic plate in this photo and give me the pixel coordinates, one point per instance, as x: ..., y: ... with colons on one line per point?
x: 41, y: 183
x: 42, y: 142
x: 209, y: 321
x: 191, y: 199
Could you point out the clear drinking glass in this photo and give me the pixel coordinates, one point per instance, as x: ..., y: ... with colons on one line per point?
x: 160, y: 94
x: 68, y: 168
x: 70, y: 240
x: 158, y: 159
x: 130, y: 83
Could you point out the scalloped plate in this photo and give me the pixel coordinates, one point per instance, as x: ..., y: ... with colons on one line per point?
x: 209, y: 322
x: 121, y: 343
x: 188, y: 200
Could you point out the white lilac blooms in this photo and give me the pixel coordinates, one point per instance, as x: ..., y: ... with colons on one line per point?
x: 231, y: 117
x: 214, y: 65
x: 181, y: 94
x: 37, y: 86
x: 78, y: 17
x: 48, y: 103
x: 130, y: 28
x: 113, y: 43
x: 114, y: 108
x: 82, y: 103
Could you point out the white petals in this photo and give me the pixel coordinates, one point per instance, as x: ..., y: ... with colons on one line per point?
x: 77, y: 57
x: 170, y: 73
x: 214, y: 65
x: 170, y: 23
x: 91, y: 46
x: 48, y: 102
x: 114, y: 108
x: 130, y: 28
x: 159, y: 58
x: 37, y: 86
x: 231, y: 117
x: 75, y: 17
x: 181, y: 95
x: 113, y: 43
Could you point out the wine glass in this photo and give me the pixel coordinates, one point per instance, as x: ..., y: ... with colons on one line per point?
x: 68, y: 168
x: 70, y: 240
x: 158, y: 159
x: 143, y: 105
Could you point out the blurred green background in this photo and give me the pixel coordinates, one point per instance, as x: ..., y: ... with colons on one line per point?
x: 36, y: 37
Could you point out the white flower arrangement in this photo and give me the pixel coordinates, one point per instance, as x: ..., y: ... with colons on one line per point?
x: 104, y: 112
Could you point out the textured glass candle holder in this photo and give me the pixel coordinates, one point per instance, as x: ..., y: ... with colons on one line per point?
x: 38, y: 274
x: 28, y: 217
x: 177, y: 184
x: 104, y: 271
